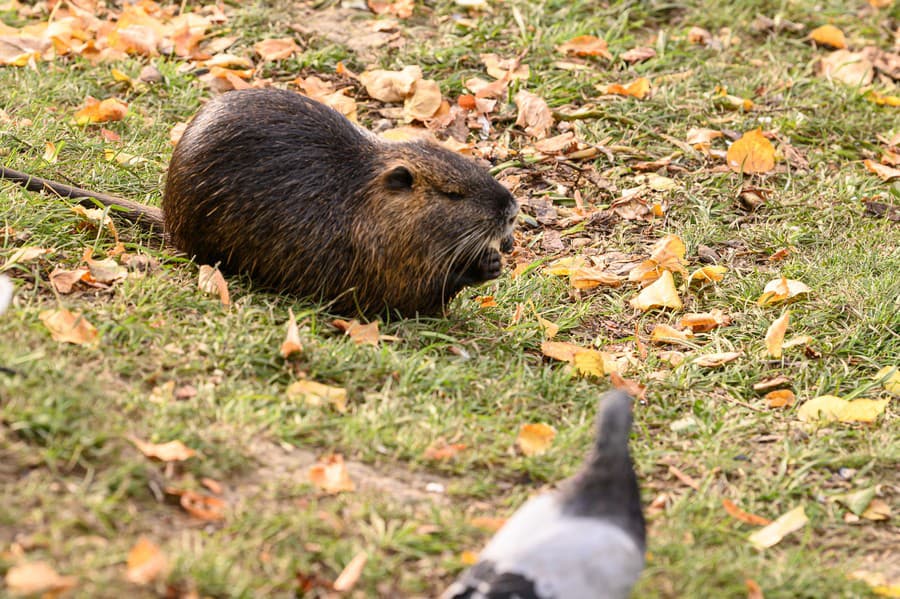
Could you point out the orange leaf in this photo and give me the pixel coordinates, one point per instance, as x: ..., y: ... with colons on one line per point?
x: 778, y: 290
x: 752, y: 153
x: 636, y: 89
x: 775, y: 334
x: 632, y: 387
x: 362, y: 334
x: 37, y: 577
x: 69, y: 327
x: 95, y: 111
x: 828, y: 35
x: 202, y: 507
x: 276, y: 49
x: 739, y: 514
x: 780, y: 398
x: 585, y: 45
x: 330, y: 475
x: 487, y: 523
x: 441, y: 450
x: 707, y: 273
x: 145, y: 562
x: 753, y: 589
x: 534, y: 114
x: 663, y: 333
x: 701, y: 322
x: 883, y: 171
x: 486, y: 301
x: 535, y: 439
x: 560, y: 350
x: 173, y: 451
x: 589, y: 278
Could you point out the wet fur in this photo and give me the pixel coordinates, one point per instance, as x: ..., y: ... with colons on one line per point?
x: 317, y: 207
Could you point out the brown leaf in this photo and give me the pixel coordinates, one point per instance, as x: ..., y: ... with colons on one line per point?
x: 173, y: 451
x: 69, y: 327
x: 753, y: 590
x: 535, y: 439
x: 37, y: 577
x: 586, y: 45
x: 212, y: 282
x: 718, y: 359
x: 291, y: 344
x: 23, y: 255
x: 276, y: 49
x: 402, y: 9
x: 391, y: 86
x: 351, y: 572
x: 106, y: 271
x: 200, y: 506
x: 639, y: 54
x: 590, y: 278
x: 703, y: 322
x: 441, y: 450
x: 850, y: 68
x: 505, y: 69
x: 362, y: 334
x: 884, y: 172
x: 780, y: 398
x: 775, y: 334
x: 739, y: 514
x: 560, y: 350
x: 146, y: 562
x: 534, y: 114
x: 632, y: 387
x: 330, y: 475
x: 64, y: 280
x: 424, y: 101
x: 752, y: 153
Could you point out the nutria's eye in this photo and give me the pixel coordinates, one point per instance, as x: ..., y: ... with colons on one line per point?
x: 456, y: 197
x: 399, y: 179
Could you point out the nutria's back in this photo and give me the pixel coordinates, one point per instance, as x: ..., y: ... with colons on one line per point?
x: 287, y: 190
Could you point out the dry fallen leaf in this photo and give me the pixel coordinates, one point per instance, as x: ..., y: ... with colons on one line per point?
x: 636, y: 89
x: 212, y: 282
x: 661, y: 294
x: 591, y: 362
x: 534, y: 114
x: 441, y: 450
x: 828, y: 35
x: 69, y: 327
x: 276, y: 49
x: 200, y: 506
x: 701, y: 139
x: 830, y: 408
x: 775, y: 334
x: 424, y: 102
x: 106, y: 271
x: 330, y: 475
x: 883, y: 171
x: 560, y: 350
x: 878, y: 582
x: 291, y: 344
x: 362, y: 334
x: 637, y: 390
x: 663, y: 333
x: 891, y: 374
x: 702, y: 322
x: 878, y: 510
x: 505, y: 69
x: 37, y: 577
x: 351, y: 572
x: 391, y: 86
x: 317, y: 394
x: 712, y: 273
x: 146, y: 562
x: 486, y: 301
x: 590, y: 278
x: 780, y: 398
x: 850, y: 68
x: 752, y: 153
x: 739, y: 514
x: 173, y: 451
x: 754, y: 591
x: 773, y: 533
x: 550, y: 328
x: 718, y: 359
x: 779, y: 290
x: 535, y: 439
x: 586, y: 45
x: 23, y: 255
x: 65, y: 280
x: 95, y: 111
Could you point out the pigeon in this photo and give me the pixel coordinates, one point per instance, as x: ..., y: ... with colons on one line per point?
x: 585, y: 540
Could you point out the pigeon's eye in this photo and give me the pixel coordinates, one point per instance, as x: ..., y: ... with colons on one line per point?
x: 456, y: 197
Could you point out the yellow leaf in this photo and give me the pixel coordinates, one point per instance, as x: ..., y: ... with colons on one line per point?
x: 701, y: 139
x: 69, y: 327
x: 636, y: 89
x: 37, y: 577
x: 590, y: 362
x: 291, y: 344
x: 468, y: 558
x: 585, y: 45
x: 779, y: 290
x: 589, y: 278
x: 878, y: 510
x: 669, y: 252
x: 892, y: 383
x: 486, y: 301
x: 716, y: 360
x: 879, y: 583
x: 752, y: 153
x: 330, y: 475
x: 317, y: 394
x: 212, y: 282
x: 560, y: 350
x: 95, y: 111
x: 351, y: 572
x: 145, y: 562
x: 661, y: 294
x: 564, y: 267
x: 828, y: 35
x: 663, y: 333
x: 883, y: 99
x: 535, y: 439
x: 173, y: 451
x: 773, y: 533
x: 830, y: 408
x: 775, y: 334
x: 707, y: 273
x: 550, y: 328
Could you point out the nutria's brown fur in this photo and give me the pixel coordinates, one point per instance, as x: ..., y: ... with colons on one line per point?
x: 281, y: 187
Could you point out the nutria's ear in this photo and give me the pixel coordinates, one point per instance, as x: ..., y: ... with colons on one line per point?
x: 399, y: 178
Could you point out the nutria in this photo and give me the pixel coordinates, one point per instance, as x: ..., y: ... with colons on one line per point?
x: 287, y: 190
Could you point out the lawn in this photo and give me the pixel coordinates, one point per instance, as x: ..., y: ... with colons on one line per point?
x: 171, y: 362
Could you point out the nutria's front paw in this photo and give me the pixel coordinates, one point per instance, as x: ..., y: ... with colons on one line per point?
x: 506, y: 244
x: 489, y: 265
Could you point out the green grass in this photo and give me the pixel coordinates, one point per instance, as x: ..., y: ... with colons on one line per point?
x: 77, y: 494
